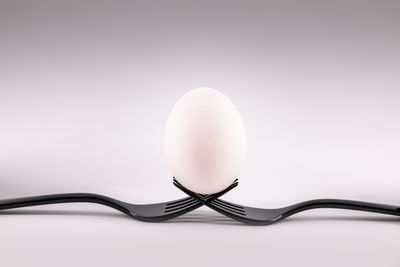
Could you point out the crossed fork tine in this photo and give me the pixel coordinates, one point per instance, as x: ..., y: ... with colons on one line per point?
x: 183, y: 205
x: 226, y: 208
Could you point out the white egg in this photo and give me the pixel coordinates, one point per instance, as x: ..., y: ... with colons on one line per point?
x: 205, y: 141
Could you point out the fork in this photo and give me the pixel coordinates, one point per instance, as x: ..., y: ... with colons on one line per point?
x: 258, y: 216
x: 156, y: 212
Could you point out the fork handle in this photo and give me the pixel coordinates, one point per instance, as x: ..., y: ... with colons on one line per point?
x: 63, y: 198
x: 342, y: 204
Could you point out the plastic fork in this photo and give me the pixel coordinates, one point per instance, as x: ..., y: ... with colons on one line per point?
x: 258, y: 216
x: 156, y: 212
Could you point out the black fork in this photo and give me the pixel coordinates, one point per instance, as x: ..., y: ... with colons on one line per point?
x: 156, y: 212
x: 257, y: 216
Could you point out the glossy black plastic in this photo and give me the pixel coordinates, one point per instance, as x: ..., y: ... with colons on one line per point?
x: 156, y: 212
x: 258, y: 216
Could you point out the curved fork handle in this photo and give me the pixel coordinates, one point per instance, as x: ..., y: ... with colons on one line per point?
x: 341, y: 204
x: 63, y: 198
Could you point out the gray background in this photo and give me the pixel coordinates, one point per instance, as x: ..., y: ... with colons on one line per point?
x: 85, y: 91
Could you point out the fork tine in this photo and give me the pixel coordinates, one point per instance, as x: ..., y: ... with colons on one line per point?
x: 237, y: 213
x: 231, y: 205
x: 216, y: 195
x: 191, y: 202
x: 183, y: 207
x: 210, y: 196
x: 190, y: 193
x: 220, y: 209
x: 180, y: 206
x: 234, y: 213
x: 178, y: 203
x: 241, y: 212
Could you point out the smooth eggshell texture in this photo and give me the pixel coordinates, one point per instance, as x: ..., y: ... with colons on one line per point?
x: 205, y: 141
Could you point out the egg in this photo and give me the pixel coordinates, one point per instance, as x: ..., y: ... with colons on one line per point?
x: 205, y: 141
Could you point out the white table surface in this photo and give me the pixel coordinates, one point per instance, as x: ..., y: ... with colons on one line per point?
x: 91, y: 235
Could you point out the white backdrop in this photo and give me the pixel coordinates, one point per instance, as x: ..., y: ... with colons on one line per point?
x: 85, y: 91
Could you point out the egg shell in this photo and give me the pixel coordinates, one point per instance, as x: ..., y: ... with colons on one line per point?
x: 205, y: 141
